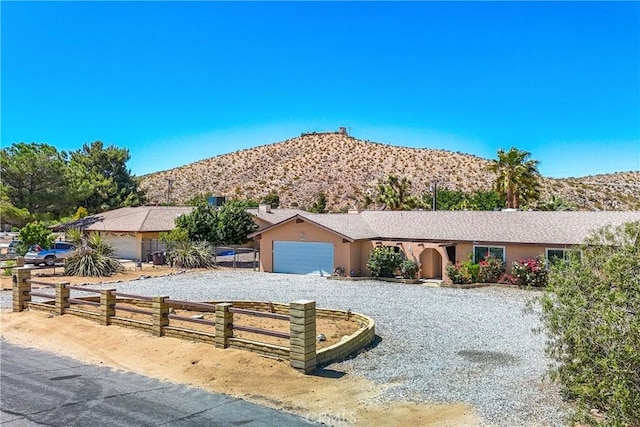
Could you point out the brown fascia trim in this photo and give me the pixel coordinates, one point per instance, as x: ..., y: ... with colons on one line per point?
x: 299, y: 219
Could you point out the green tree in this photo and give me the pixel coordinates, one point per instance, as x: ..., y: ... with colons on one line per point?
x: 394, y: 193
x: 488, y: 200
x: 11, y: 215
x: 516, y: 176
x: 34, y: 233
x: 234, y: 223
x: 556, y: 203
x: 272, y: 199
x: 591, y: 309
x: 33, y: 176
x: 201, y: 224
x: 320, y: 205
x: 111, y: 183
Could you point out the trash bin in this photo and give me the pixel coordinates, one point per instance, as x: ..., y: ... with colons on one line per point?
x: 158, y: 258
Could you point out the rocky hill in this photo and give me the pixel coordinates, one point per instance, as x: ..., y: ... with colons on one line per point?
x: 348, y: 169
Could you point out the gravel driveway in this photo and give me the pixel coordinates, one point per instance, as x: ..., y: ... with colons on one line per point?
x: 437, y: 344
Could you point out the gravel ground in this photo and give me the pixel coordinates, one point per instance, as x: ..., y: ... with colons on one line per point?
x: 436, y: 344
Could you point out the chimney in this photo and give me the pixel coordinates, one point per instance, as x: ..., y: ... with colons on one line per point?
x: 264, y: 208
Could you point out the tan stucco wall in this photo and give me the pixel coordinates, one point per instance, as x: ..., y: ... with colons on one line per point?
x: 303, y: 232
x: 432, y: 258
x: 513, y: 251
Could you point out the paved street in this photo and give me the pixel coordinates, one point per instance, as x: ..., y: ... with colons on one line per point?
x: 39, y: 388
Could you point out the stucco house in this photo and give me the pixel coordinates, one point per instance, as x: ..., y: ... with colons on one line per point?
x: 319, y: 243
x: 134, y: 231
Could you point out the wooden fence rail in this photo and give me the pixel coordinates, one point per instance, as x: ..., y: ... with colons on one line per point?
x: 302, y: 317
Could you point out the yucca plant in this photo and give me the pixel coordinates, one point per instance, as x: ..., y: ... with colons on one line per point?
x: 94, y: 257
x: 191, y: 255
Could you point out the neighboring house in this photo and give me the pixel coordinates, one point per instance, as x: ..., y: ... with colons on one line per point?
x: 319, y: 243
x: 134, y: 231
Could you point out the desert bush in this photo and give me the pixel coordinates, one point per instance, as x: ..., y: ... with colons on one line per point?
x: 191, y: 255
x: 384, y: 261
x: 530, y: 272
x: 94, y: 256
x: 408, y: 269
x: 87, y: 261
x: 591, y: 309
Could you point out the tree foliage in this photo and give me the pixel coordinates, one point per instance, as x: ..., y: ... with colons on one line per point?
x: 272, y: 199
x: 51, y: 184
x: 227, y: 225
x: 320, y: 205
x: 34, y: 233
x: 516, y: 176
x: 201, y: 224
x: 234, y: 223
x: 591, y: 308
x: 394, y: 193
x: 455, y: 200
x: 111, y: 184
x: 33, y: 176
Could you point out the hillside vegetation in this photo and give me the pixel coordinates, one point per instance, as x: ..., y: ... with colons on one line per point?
x: 347, y: 169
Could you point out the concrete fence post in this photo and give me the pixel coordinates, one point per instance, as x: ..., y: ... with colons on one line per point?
x: 62, y: 297
x: 303, y: 335
x: 160, y: 315
x: 224, y: 320
x: 21, y: 287
x: 107, y: 305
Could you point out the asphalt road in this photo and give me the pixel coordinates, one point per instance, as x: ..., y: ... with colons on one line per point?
x: 39, y: 388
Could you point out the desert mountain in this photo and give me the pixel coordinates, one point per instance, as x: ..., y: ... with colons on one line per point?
x: 347, y: 169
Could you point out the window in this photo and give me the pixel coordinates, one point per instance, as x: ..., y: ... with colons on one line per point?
x: 481, y: 252
x: 557, y: 254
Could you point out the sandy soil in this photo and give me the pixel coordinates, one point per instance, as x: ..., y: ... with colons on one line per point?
x: 332, y: 397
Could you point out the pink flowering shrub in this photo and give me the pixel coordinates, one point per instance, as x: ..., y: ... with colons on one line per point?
x: 530, y: 272
x: 490, y: 270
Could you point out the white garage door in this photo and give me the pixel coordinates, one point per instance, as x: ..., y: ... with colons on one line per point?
x: 126, y: 246
x: 303, y: 258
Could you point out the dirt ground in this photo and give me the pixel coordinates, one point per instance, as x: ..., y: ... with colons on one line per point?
x: 328, y: 396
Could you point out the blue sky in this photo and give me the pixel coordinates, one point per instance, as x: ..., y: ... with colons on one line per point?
x: 180, y: 82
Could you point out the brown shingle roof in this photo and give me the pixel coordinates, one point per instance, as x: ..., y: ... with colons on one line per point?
x: 132, y: 219
x: 505, y: 227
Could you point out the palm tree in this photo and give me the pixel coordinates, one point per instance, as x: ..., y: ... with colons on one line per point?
x: 516, y: 176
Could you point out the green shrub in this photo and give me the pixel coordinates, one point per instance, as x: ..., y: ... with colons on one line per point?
x: 490, y: 270
x: 463, y: 273
x: 591, y: 308
x: 408, y: 269
x: 8, y: 268
x: 384, y: 261
x: 190, y: 255
x: 530, y: 272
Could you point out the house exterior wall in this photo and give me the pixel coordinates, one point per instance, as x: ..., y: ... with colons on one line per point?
x: 513, y: 252
x: 303, y: 232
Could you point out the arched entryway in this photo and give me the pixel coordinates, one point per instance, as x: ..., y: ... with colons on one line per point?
x: 431, y: 264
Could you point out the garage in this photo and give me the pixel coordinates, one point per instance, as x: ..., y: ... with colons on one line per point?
x: 126, y: 245
x: 311, y: 258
